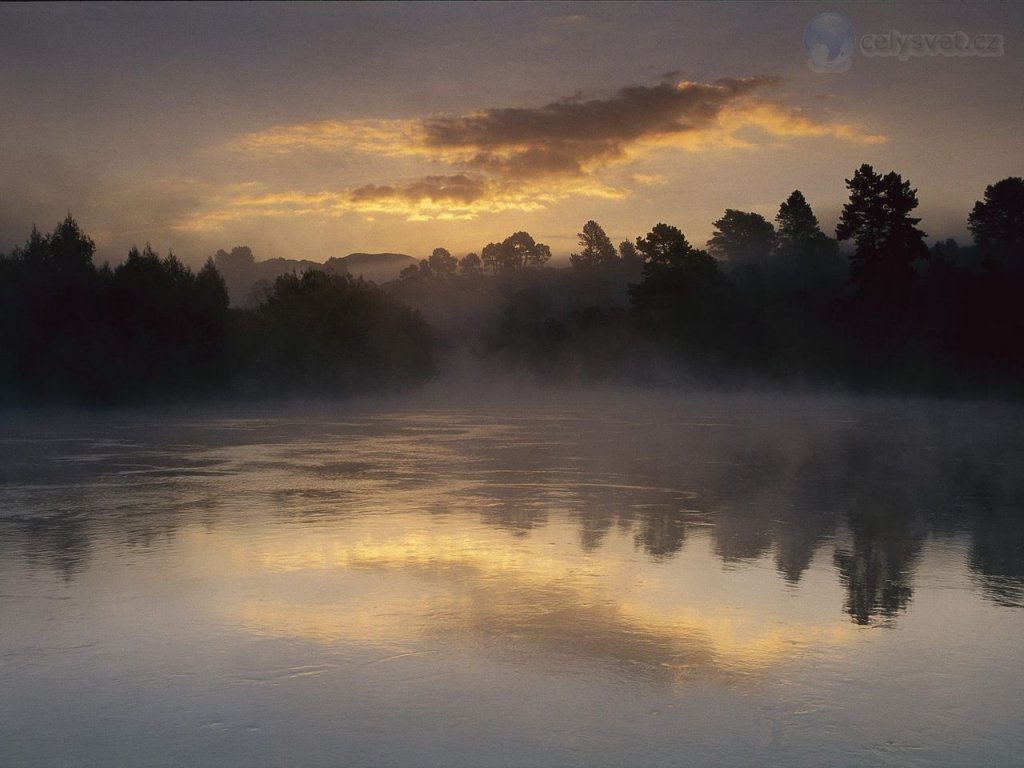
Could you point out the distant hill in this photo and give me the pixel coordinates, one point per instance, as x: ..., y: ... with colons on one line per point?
x: 375, y: 267
x: 247, y: 279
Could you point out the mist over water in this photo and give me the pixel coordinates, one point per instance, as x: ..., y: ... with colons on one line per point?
x: 524, y: 575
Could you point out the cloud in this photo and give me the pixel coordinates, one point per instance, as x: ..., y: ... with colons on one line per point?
x: 524, y: 158
x: 454, y: 197
x: 459, y: 189
x: 439, y: 197
x: 362, y: 136
x: 466, y: 197
x: 648, y: 179
x: 578, y: 135
x: 570, y: 137
x: 792, y: 124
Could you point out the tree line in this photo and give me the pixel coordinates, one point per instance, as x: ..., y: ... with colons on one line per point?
x: 775, y: 299
x: 772, y: 300
x: 151, y: 328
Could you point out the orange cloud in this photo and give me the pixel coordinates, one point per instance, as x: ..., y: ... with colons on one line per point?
x: 363, y: 136
x: 776, y: 121
x: 575, y: 136
x: 456, y: 197
x: 525, y: 158
x: 571, y: 137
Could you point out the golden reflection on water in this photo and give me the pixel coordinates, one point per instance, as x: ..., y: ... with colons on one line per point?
x: 455, y: 588
x: 415, y: 583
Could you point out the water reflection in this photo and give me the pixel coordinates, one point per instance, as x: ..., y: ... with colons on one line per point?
x: 997, y: 554
x: 60, y: 542
x: 454, y: 586
x: 650, y: 583
x: 863, y: 487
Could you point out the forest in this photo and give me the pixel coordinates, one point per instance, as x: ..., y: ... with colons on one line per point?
x: 777, y: 303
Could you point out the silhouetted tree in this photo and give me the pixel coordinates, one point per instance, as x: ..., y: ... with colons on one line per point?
x: 52, y: 303
x: 515, y: 253
x: 945, y: 251
x: 442, y: 263
x: 526, y: 330
x: 806, y: 259
x: 522, y: 251
x: 409, y: 272
x: 664, y: 248
x: 795, y: 224
x: 85, y: 334
x: 629, y: 254
x: 35, y: 250
x: 211, y: 288
x: 997, y: 223
x: 68, y: 251
x: 682, y: 291
x: 331, y: 334
x: 209, y: 316
x: 470, y: 265
x: 70, y: 330
x: 491, y: 257
x: 742, y: 238
x: 886, y: 236
x: 980, y: 287
x: 597, y: 248
x: 599, y: 277
x: 168, y: 326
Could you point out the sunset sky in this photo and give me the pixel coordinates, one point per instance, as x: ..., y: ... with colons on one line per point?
x: 316, y: 130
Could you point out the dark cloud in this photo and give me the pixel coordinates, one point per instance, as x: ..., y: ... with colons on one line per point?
x: 523, y: 158
x: 567, y: 136
x: 535, y: 161
x: 459, y: 188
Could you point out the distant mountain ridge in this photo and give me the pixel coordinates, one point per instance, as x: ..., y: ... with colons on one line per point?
x: 247, y: 279
x: 374, y: 267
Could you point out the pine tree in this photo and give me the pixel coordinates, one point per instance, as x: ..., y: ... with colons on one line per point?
x: 886, y: 236
x: 597, y: 248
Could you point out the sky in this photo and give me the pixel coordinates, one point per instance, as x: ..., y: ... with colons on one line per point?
x: 309, y: 131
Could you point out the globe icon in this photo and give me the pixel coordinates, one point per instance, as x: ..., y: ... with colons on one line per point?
x: 829, y: 40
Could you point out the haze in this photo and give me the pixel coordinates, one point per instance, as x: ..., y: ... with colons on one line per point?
x: 310, y: 131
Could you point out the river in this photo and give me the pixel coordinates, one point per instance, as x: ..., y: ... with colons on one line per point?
x: 629, y: 578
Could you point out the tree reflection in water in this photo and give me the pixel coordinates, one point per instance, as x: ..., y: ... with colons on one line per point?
x: 872, y: 484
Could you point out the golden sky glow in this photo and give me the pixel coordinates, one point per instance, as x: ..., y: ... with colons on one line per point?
x: 314, y: 131
x: 522, y: 159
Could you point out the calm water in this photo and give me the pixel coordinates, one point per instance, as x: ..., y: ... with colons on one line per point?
x: 621, y: 580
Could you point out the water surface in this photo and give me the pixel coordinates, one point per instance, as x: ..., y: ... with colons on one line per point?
x: 630, y: 580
